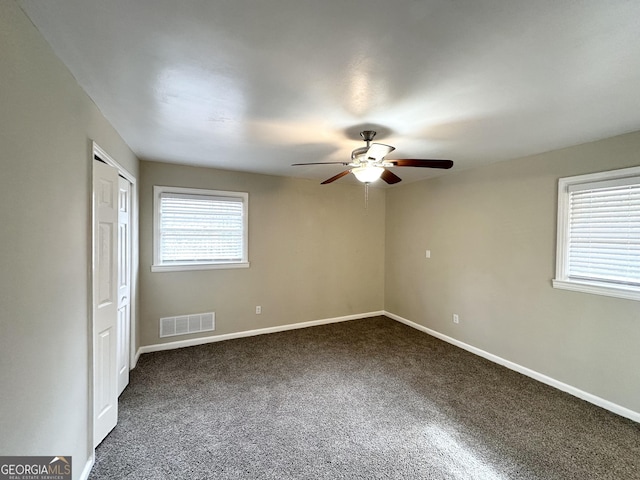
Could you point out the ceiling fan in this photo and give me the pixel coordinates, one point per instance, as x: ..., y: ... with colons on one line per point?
x: 368, y: 164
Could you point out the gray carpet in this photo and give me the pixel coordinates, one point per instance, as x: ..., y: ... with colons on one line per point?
x: 365, y: 399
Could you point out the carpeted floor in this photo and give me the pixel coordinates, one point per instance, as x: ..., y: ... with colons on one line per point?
x: 365, y: 399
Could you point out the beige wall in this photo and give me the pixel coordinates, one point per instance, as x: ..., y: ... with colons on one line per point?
x: 46, y: 127
x: 315, y: 253
x: 492, y: 236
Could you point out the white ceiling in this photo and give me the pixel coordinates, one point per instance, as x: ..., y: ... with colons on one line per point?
x: 257, y: 85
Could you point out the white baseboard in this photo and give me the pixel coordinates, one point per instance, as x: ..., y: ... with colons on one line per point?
x: 576, y: 392
x: 601, y: 402
x: 88, y: 466
x: 249, y: 333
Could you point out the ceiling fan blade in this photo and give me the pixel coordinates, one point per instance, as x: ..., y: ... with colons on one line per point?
x: 379, y: 150
x: 424, y: 163
x: 390, y: 177
x: 336, y: 177
x: 320, y: 163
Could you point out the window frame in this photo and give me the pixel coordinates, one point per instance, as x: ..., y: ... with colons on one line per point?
x: 157, y: 266
x: 562, y: 280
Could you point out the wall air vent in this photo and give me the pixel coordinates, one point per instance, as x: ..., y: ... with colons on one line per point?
x: 185, y: 324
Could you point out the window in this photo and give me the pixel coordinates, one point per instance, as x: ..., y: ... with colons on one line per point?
x: 199, y: 229
x: 598, y: 248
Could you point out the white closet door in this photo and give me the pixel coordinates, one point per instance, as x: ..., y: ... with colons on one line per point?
x: 105, y: 300
x: 124, y: 282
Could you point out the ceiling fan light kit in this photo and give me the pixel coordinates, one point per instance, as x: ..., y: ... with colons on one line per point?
x: 367, y: 174
x: 368, y: 163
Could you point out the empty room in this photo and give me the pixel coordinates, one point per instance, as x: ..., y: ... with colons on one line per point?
x: 324, y: 240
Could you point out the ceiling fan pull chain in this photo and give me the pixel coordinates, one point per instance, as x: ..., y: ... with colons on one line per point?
x: 366, y: 196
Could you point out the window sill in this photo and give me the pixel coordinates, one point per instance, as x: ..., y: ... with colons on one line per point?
x: 629, y: 293
x: 199, y: 266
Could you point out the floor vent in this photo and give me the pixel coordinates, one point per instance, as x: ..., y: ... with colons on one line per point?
x: 184, y: 324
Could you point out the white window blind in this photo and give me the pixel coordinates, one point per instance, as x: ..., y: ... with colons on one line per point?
x: 200, y: 227
x: 598, y: 249
x: 604, y: 233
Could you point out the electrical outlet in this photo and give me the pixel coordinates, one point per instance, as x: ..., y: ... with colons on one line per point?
x: 258, y: 310
x: 428, y: 254
x: 456, y: 319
